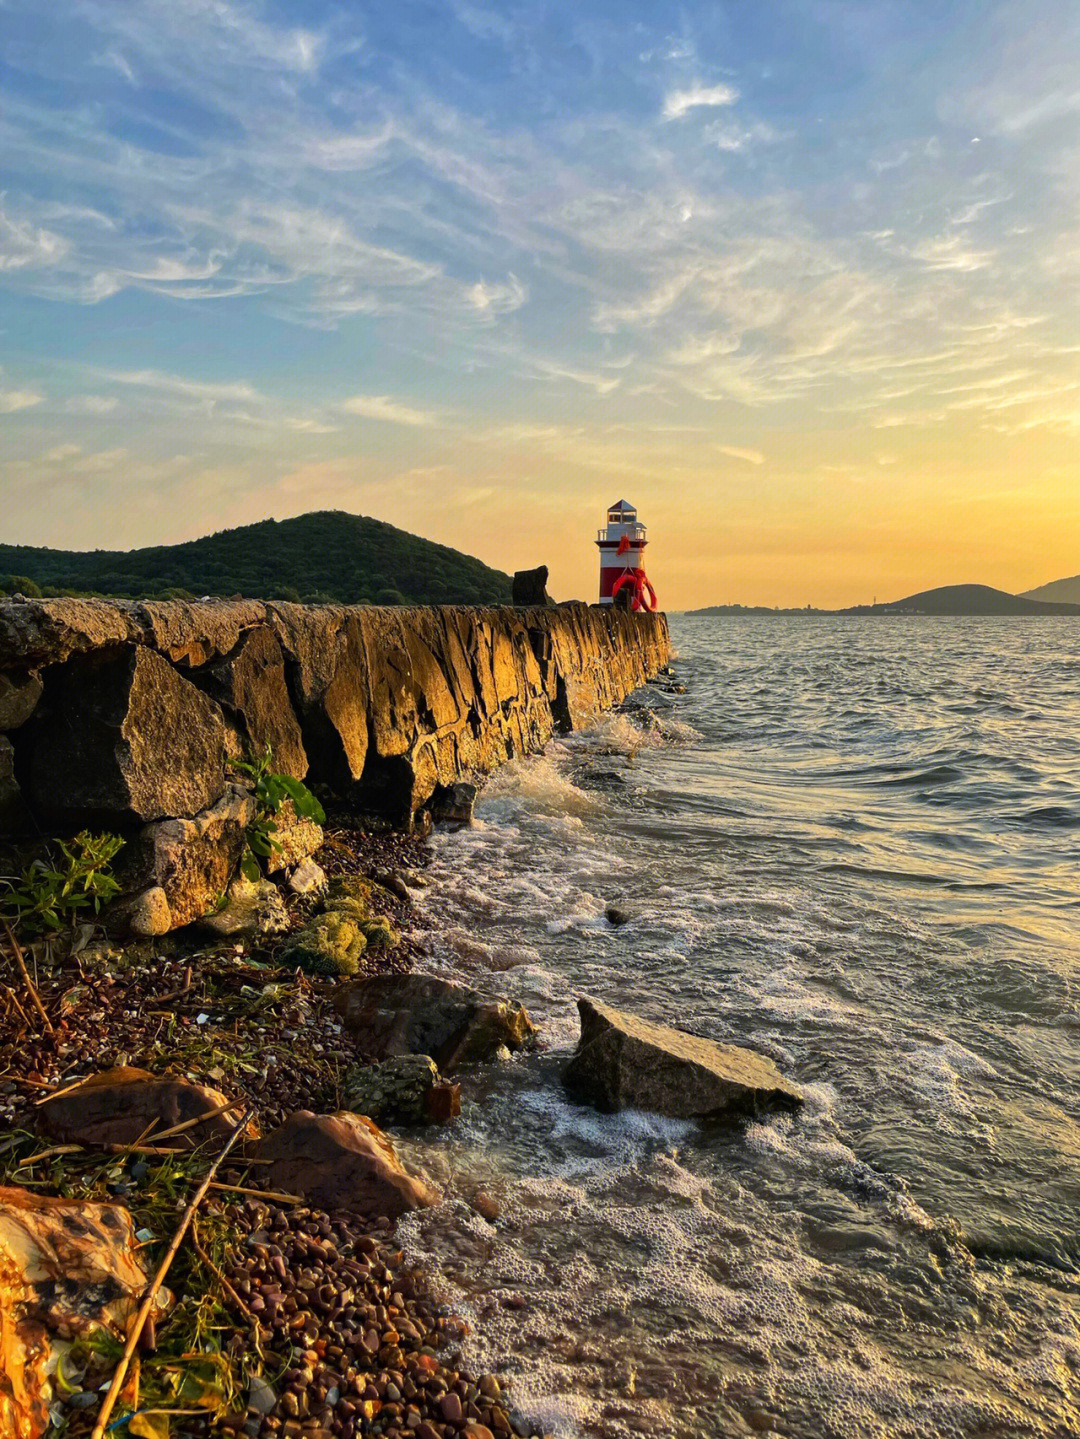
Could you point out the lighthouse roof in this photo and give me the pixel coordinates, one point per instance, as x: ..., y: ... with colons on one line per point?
x: 622, y: 505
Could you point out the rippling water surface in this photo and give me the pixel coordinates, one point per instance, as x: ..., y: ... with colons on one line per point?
x: 853, y: 845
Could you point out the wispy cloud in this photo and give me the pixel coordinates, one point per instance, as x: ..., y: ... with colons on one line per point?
x: 498, y: 299
x: 384, y: 407
x: 178, y: 385
x: 13, y: 400
x: 96, y: 405
x: 752, y: 457
x: 680, y: 102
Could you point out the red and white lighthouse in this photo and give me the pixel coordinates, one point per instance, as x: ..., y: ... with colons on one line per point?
x: 622, y: 545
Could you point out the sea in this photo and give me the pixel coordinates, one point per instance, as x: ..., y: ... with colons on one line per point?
x: 853, y: 845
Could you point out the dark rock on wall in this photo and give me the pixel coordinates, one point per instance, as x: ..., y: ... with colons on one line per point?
x: 530, y: 587
x: 19, y: 694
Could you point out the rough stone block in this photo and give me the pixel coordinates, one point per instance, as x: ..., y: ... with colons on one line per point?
x: 249, y: 684
x: 122, y: 739
x: 191, y: 860
x: 623, y: 1062
x: 397, y: 1014
x: 530, y: 587
x: 341, y: 1161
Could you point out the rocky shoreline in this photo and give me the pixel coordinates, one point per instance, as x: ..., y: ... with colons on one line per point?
x: 197, y: 1201
x: 287, y: 1316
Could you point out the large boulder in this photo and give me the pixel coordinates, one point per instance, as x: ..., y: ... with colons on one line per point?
x: 393, y: 1014
x: 340, y: 1161
x: 122, y: 739
x: 623, y: 1062
x: 249, y: 684
x: 68, y: 1269
x: 118, y: 1106
x: 191, y: 861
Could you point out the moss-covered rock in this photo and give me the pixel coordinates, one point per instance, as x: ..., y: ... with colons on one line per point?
x: 380, y: 933
x: 350, y: 888
x: 331, y: 943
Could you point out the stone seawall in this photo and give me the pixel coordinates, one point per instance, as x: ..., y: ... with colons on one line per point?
x: 126, y: 715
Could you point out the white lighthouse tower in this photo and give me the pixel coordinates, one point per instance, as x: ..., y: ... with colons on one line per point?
x: 622, y: 545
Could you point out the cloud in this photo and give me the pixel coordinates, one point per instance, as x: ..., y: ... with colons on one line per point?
x: 950, y: 252
x: 13, y: 400
x: 91, y: 405
x: 23, y: 245
x: 602, y: 384
x: 681, y: 102
x: 100, y: 463
x: 307, y: 426
x: 383, y: 407
x: 178, y: 386
x: 59, y: 453
x: 752, y: 457
x: 735, y: 138
x: 497, y: 299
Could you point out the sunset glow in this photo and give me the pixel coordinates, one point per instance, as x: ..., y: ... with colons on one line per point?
x: 799, y: 280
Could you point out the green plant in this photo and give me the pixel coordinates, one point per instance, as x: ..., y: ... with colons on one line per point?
x: 74, y: 876
x: 272, y: 791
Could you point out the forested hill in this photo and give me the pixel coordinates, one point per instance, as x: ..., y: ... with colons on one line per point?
x: 325, y: 556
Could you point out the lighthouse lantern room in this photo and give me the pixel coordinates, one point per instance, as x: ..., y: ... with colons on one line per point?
x: 622, y: 544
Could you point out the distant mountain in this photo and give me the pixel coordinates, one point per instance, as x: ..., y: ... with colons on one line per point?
x: 947, y: 600
x: 324, y: 556
x: 967, y: 600
x: 1062, y: 591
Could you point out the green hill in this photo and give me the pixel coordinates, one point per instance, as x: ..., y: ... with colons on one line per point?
x: 324, y: 556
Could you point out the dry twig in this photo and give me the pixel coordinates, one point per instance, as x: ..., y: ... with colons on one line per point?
x: 16, y: 950
x: 272, y: 1195
x: 147, y: 1305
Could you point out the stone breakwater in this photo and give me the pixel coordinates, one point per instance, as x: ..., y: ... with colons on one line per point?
x: 127, y: 715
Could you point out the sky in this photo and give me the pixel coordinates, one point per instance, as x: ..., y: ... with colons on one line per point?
x: 800, y: 279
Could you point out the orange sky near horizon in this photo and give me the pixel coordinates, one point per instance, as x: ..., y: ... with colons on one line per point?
x: 799, y: 280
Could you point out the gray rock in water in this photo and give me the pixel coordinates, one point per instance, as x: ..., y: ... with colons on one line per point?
x: 393, y: 1092
x: 418, y: 1014
x: 454, y: 803
x: 623, y: 1062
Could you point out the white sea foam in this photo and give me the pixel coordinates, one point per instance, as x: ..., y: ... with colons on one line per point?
x: 673, y: 1285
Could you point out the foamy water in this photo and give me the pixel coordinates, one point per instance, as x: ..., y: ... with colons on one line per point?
x: 852, y: 846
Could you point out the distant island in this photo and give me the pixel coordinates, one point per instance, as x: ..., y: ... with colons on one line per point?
x: 324, y: 557
x: 1058, y: 591
x: 945, y: 600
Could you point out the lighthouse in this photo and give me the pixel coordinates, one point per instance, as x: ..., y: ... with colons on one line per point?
x: 622, y: 545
